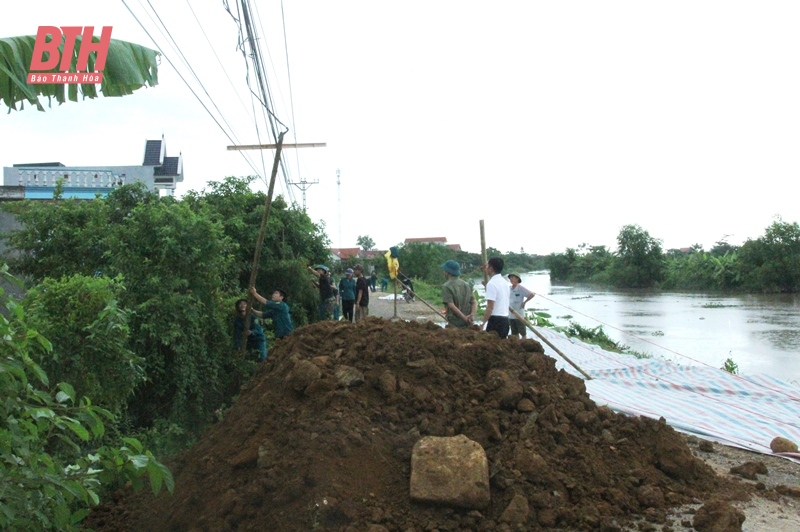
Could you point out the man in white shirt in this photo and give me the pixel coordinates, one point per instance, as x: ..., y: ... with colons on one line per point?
x: 497, y: 297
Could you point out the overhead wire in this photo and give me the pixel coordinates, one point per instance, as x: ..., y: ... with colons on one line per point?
x: 286, y: 170
x: 264, y: 87
x: 177, y: 71
x: 288, y: 77
x: 249, y: 39
x: 188, y: 65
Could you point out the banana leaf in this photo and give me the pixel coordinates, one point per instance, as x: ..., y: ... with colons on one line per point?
x: 128, y: 67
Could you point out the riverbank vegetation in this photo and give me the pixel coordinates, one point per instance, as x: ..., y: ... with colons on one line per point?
x: 122, y: 333
x: 768, y: 264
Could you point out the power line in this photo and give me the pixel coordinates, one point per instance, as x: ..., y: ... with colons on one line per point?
x: 249, y: 38
x: 167, y: 57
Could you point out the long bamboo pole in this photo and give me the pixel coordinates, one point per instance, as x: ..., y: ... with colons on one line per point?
x: 260, y: 242
x: 434, y: 309
x: 395, y: 298
x: 483, y: 255
x: 545, y: 340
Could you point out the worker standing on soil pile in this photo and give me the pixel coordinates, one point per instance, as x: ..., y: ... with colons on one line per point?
x: 518, y: 298
x: 323, y: 282
x: 497, y: 296
x: 255, y: 336
x: 458, y: 297
x: 277, y: 310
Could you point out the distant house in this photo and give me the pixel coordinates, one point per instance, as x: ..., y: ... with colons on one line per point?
x: 372, y: 253
x: 427, y: 240
x: 439, y: 240
x: 339, y: 254
x: 39, y: 180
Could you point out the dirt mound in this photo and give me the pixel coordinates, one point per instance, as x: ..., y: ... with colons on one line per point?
x: 321, y: 438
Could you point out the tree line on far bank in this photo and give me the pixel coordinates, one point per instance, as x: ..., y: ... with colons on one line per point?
x: 767, y: 264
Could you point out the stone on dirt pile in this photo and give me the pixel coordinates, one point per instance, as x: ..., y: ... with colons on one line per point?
x: 322, y: 438
x: 452, y: 471
x: 783, y: 445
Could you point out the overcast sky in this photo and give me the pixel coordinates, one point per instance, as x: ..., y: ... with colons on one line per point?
x: 555, y: 122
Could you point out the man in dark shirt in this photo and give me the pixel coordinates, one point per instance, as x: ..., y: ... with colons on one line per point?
x: 326, y: 299
x: 362, y: 293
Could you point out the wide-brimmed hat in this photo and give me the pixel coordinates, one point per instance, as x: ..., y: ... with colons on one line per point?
x: 321, y: 267
x: 349, y: 271
x: 519, y: 279
x: 452, y: 267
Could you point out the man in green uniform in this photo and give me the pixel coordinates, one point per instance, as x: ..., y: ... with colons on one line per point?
x: 458, y: 297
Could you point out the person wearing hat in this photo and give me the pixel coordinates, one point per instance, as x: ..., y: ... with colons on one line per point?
x: 458, y: 297
x: 326, y: 299
x: 255, y: 338
x: 347, y: 293
x: 518, y: 297
x: 277, y: 310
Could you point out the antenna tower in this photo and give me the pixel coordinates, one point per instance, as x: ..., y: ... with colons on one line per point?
x: 339, y: 192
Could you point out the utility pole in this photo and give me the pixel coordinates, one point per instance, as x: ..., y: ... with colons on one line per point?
x: 339, y: 192
x: 304, y: 185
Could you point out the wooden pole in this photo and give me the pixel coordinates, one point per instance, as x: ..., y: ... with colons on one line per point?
x: 434, y: 309
x: 273, y: 146
x: 483, y: 255
x: 260, y: 242
x: 395, y: 298
x: 545, y: 340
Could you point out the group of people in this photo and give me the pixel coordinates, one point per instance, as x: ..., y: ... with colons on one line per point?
x: 461, y: 306
x: 350, y: 296
x: 275, y: 309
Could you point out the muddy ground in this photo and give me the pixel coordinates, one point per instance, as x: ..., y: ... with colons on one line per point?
x: 321, y: 439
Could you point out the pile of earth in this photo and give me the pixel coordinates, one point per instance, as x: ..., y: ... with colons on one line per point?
x: 321, y: 439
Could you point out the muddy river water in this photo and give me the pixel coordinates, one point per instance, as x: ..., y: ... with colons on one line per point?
x: 760, y: 333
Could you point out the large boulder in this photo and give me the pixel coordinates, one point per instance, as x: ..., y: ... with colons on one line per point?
x: 452, y: 471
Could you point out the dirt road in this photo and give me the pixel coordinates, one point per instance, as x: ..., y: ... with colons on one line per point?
x: 381, y: 305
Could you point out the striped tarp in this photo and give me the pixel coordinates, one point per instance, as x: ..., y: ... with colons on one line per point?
x: 741, y: 411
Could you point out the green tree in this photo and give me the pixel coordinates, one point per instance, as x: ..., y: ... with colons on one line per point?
x: 89, y: 333
x: 365, y: 242
x: 177, y: 265
x: 50, y: 473
x: 640, y: 260
x: 292, y: 241
x: 771, y: 263
x: 561, y: 265
x: 422, y: 260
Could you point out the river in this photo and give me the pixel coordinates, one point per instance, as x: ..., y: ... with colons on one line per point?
x: 760, y: 333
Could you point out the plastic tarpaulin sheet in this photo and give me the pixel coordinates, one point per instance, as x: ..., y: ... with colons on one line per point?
x: 741, y: 411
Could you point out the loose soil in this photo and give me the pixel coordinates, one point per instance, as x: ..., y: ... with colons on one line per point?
x: 309, y: 445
